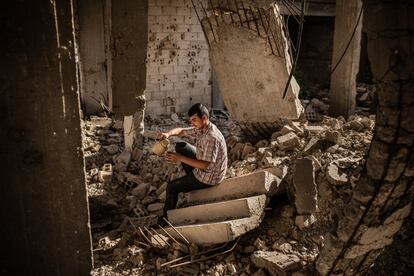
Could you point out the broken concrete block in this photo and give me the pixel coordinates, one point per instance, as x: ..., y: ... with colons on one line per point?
x: 231, y: 209
x: 159, y: 240
x: 137, y: 154
x: 314, y: 129
x: 112, y: 149
x: 368, y: 123
x: 261, y: 144
x: 161, y: 189
x: 224, y: 231
x: 286, y: 129
x: 260, y: 244
x: 162, y: 196
x: 306, y: 196
x: 231, y: 269
x: 333, y: 176
x: 236, y: 152
x: 288, y: 141
x: 275, y: 262
x: 312, y: 145
x: 296, y: 127
x: 124, y: 158
x: 274, y: 144
x: 103, y: 122
x: 316, y: 164
x: 356, y: 125
x: 129, y: 132
x: 247, y: 185
x: 155, y: 207
x: 247, y: 150
x: 280, y: 171
x: 304, y: 221
x: 333, y: 136
x: 270, y: 162
x: 118, y: 125
x: 175, y: 117
x: 105, y: 175
x: 141, y: 190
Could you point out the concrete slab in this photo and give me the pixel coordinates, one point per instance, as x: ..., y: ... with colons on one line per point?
x: 306, y: 195
x: 257, y: 183
x: 216, y: 232
x: 276, y: 263
x: 258, y: 85
x: 220, y: 211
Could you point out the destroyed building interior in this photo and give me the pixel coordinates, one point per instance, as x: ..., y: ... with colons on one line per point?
x: 315, y: 100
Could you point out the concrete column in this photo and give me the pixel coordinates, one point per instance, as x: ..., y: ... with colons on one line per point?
x: 343, y: 80
x: 44, y: 211
x: 93, y: 56
x: 129, y: 32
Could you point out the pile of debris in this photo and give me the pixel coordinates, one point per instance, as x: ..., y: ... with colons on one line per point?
x: 320, y: 163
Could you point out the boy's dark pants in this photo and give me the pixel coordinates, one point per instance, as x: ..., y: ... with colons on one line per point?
x: 183, y: 184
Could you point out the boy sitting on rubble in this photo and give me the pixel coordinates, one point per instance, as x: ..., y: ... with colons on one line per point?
x: 205, y: 163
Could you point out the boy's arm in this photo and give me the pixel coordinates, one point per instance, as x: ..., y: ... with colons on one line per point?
x: 177, y: 132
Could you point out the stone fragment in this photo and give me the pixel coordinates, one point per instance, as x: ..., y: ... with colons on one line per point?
x: 367, y: 122
x: 231, y: 269
x: 128, y: 132
x: 124, y: 158
x: 261, y: 144
x: 102, y: 122
x: 161, y: 189
x: 159, y: 240
x: 296, y: 127
x: 162, y: 196
x: 312, y: 145
x: 314, y: 129
x: 333, y: 123
x: 288, y: 141
x: 275, y: 262
x: 333, y: 136
x: 356, y: 125
x: 175, y: 117
x: 137, y: 154
x: 333, y: 176
x: 141, y: 190
x: 112, y: 149
x: 316, y: 164
x: 105, y: 175
x: 270, y: 162
x: 305, y: 187
x: 304, y: 221
x: 247, y: 150
x: 155, y: 207
x: 260, y: 244
x: 286, y: 129
x: 118, y: 125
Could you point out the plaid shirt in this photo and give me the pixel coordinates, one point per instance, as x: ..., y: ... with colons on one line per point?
x: 210, y: 147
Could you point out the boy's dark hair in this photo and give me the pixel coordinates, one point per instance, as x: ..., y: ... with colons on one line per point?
x: 198, y: 109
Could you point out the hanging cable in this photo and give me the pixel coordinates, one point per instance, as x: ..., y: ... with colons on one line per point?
x: 349, y: 42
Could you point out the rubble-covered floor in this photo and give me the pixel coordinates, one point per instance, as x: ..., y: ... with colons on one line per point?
x: 137, y: 186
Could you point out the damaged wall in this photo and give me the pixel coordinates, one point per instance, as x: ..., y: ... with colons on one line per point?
x: 178, y: 69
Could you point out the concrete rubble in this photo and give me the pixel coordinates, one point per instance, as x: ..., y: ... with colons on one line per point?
x: 310, y: 162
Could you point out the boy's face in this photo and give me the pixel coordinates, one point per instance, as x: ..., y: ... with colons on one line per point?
x: 197, y: 122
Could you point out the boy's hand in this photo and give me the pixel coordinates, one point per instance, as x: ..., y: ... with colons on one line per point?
x: 173, y: 157
x: 163, y: 135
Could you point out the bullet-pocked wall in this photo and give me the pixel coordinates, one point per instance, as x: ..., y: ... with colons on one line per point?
x: 178, y: 67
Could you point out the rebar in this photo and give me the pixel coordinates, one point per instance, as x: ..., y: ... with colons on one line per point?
x: 178, y: 232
